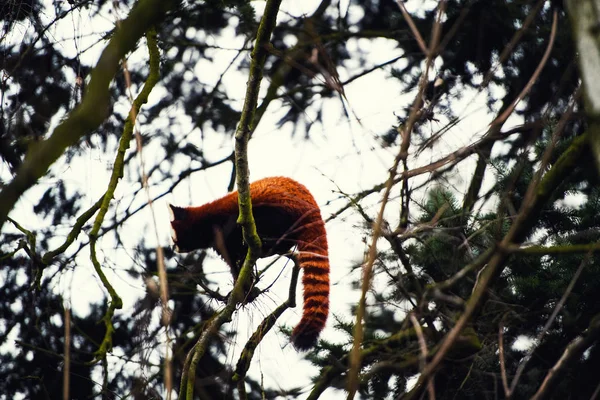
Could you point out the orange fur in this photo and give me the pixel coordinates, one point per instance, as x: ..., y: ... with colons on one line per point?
x: 286, y: 215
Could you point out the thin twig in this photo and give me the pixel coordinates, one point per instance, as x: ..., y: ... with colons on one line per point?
x: 555, y: 250
x: 513, y: 42
x: 453, y: 158
x: 424, y: 352
x: 355, y: 354
x: 596, y: 392
x: 413, y: 28
x: 243, y: 363
x: 549, y: 323
x: 42, y: 33
x: 94, y: 107
x: 501, y: 355
x: 67, y: 354
x: 154, y: 61
x: 572, y: 352
x: 517, y: 232
x: 535, y: 75
x: 117, y: 173
x: 454, y: 28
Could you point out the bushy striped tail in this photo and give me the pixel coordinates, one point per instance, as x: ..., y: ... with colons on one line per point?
x: 314, y: 261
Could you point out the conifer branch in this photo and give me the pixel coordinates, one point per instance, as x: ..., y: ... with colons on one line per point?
x: 525, y: 220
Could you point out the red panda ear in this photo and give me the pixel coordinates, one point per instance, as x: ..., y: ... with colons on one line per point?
x: 171, y: 213
x: 172, y: 218
x: 177, y: 213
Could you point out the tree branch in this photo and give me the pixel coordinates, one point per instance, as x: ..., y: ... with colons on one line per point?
x: 584, y: 16
x: 406, y: 130
x: 246, y: 219
x: 526, y: 218
x: 243, y: 363
x: 92, y: 110
x: 117, y: 173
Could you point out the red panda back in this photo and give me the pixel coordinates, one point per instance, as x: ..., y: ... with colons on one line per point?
x: 277, y: 202
x: 311, y: 238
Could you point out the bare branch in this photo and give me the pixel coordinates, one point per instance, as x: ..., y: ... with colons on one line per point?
x: 413, y: 28
x: 535, y: 75
x: 67, y: 354
x: 424, y: 353
x: 517, y: 232
x: 513, y: 42
x: 502, y: 360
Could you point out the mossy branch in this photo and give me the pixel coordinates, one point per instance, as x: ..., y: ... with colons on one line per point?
x: 29, y: 246
x: 82, y: 219
x: 246, y: 219
x: 28, y: 234
x: 11, y: 254
x: 243, y: 363
x: 95, y: 105
x: 117, y: 173
x: 242, y: 136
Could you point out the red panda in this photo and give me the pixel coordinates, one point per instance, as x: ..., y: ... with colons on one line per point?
x: 286, y: 215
